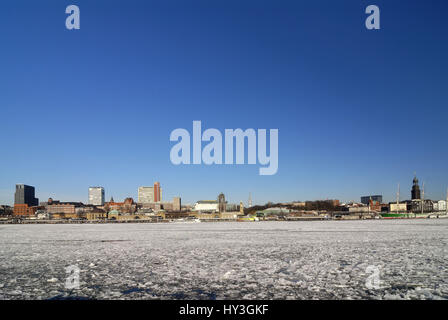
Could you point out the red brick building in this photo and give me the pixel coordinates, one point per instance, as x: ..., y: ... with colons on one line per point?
x: 24, y: 210
x: 128, y: 206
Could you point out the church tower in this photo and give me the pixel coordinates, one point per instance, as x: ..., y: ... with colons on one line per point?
x: 415, y: 193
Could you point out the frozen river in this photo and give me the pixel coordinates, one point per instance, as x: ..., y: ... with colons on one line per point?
x: 395, y: 259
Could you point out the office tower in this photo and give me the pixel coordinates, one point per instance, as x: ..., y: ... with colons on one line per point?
x: 221, y: 203
x: 145, y: 194
x: 25, y: 195
x: 96, y: 196
x: 150, y: 194
x: 176, y: 204
x: 157, y: 193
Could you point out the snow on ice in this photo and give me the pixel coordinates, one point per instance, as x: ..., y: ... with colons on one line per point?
x: 251, y: 260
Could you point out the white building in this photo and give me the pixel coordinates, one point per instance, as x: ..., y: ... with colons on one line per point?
x: 206, y: 206
x: 96, y: 196
x: 145, y: 194
x: 400, y: 207
x: 359, y: 209
x: 441, y: 205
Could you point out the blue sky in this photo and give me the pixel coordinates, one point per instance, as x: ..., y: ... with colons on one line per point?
x: 358, y: 111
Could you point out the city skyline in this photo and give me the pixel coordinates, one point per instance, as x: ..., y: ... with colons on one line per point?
x: 358, y: 111
x: 223, y: 158
x: 142, y: 194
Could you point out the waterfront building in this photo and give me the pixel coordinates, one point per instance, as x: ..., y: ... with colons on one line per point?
x: 152, y: 205
x: 167, y: 206
x: 398, y: 207
x: 128, y: 206
x: 49, y: 201
x: 435, y: 205
x: 6, y: 210
x: 96, y: 215
x: 375, y: 205
x: 206, y: 206
x: 441, y: 205
x: 375, y: 198
x: 96, y: 196
x: 416, y: 206
x: 67, y: 208
x: 22, y: 209
x: 214, y: 215
x: 273, y: 211
x: 230, y: 207
x: 145, y: 211
x: 25, y: 195
x: 359, y: 209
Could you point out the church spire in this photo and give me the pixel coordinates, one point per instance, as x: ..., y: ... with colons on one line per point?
x: 415, y: 192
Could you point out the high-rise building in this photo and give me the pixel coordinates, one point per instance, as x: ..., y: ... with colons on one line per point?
x: 150, y: 194
x: 145, y: 194
x: 221, y: 203
x: 157, y: 193
x: 25, y: 195
x: 415, y: 192
x: 96, y: 196
x: 176, y: 204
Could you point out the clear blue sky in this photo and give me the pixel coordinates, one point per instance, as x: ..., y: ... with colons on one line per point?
x: 358, y: 111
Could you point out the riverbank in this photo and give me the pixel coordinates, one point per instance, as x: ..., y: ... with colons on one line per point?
x: 283, y: 219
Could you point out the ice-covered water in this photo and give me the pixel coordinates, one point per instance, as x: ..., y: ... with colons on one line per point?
x: 258, y: 260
